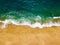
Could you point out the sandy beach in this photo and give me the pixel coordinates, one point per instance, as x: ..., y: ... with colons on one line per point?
x: 25, y: 35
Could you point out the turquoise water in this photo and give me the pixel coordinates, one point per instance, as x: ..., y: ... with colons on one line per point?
x: 30, y: 9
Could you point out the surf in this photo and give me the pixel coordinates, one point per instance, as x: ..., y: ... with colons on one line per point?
x: 28, y: 23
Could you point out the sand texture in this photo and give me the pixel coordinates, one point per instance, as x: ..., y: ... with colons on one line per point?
x: 25, y: 35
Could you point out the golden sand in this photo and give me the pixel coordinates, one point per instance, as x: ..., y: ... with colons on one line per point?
x: 25, y: 35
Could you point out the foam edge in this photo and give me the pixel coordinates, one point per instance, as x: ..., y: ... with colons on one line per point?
x: 36, y: 24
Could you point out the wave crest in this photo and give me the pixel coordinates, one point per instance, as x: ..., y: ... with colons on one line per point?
x: 55, y: 21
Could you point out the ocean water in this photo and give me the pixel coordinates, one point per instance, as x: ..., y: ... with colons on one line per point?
x: 26, y: 12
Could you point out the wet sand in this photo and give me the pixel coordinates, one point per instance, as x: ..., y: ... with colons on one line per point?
x: 25, y: 35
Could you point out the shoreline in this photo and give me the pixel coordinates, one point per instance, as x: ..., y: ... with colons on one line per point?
x: 55, y: 21
x: 3, y: 24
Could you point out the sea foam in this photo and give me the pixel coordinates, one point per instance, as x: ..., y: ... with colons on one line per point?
x: 26, y: 23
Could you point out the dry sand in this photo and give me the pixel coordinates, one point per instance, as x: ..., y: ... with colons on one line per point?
x: 25, y: 35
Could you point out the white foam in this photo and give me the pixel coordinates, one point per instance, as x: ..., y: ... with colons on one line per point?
x: 36, y: 24
x: 56, y: 17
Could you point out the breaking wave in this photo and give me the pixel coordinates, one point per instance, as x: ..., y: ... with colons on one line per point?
x: 38, y: 22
